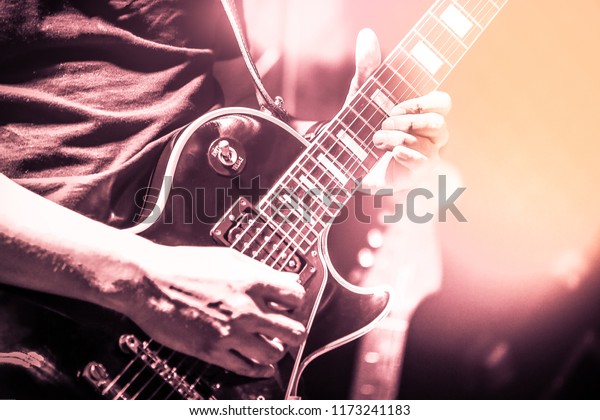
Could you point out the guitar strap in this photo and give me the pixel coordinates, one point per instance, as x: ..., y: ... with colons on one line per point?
x: 266, y: 103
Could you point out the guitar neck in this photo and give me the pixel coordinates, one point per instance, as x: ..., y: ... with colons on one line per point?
x: 326, y: 175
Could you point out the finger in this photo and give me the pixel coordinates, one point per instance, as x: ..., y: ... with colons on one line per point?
x: 403, y: 153
x: 423, y: 146
x: 367, y: 59
x: 289, y: 331
x: 388, y: 139
x: 368, y: 55
x: 258, y: 349
x: 429, y: 125
x: 241, y: 365
x: 412, y: 159
x: 433, y: 102
x: 281, y: 288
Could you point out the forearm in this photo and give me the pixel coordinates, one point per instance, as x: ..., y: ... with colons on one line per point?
x: 49, y: 248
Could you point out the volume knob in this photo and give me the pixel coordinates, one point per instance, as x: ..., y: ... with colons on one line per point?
x: 227, y: 154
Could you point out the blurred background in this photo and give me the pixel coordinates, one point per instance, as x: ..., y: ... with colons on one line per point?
x: 512, y: 310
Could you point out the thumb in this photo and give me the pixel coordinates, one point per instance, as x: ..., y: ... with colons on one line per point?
x: 368, y: 58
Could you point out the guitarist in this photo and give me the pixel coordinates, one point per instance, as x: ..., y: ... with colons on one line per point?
x: 90, y: 92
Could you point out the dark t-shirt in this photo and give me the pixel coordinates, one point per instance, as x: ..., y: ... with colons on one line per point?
x: 90, y: 90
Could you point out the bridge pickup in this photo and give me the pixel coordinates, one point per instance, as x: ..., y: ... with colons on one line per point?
x: 253, y: 234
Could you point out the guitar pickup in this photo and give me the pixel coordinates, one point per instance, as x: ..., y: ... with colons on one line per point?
x: 244, y: 229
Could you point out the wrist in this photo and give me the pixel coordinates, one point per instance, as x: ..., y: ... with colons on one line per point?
x: 118, y: 276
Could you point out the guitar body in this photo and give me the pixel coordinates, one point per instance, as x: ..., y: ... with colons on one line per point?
x: 75, y: 350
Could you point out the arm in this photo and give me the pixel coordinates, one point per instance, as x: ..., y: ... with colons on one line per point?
x: 178, y: 295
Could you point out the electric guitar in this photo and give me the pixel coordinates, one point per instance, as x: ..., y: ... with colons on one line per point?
x: 202, y: 192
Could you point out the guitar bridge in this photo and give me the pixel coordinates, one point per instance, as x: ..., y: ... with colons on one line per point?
x: 131, y: 344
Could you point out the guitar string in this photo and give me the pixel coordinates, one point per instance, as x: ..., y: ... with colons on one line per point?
x: 401, y: 50
x: 290, y: 177
x: 437, y: 24
x: 358, y: 163
x: 187, y: 375
x: 181, y: 381
x: 120, y: 375
x: 154, y: 374
x: 369, y: 118
x: 135, y: 376
x: 174, y: 387
x: 318, y: 145
x: 200, y: 379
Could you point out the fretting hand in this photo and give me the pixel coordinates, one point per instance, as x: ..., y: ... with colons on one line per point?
x: 414, y: 132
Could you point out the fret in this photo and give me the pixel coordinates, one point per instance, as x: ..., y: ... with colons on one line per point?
x: 409, y: 69
x: 295, y: 229
x: 467, y: 12
x: 366, y: 123
x: 360, y: 132
x: 483, y: 15
x: 294, y: 216
x: 429, y: 45
x: 348, y: 160
x: 332, y: 169
x: 335, y: 151
x: 321, y: 196
x: 445, y: 40
x: 303, y: 196
x: 366, y: 149
x: 315, y: 194
x: 307, y: 182
x: 311, y: 199
x: 348, y: 138
x: 323, y: 179
x: 426, y: 58
x: 340, y: 154
x: 358, y: 172
x: 383, y: 101
x: 454, y: 20
x: 289, y: 201
x: 346, y: 152
x: 363, y: 104
x: 394, y: 82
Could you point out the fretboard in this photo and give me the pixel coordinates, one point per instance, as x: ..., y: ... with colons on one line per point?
x: 315, y: 189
